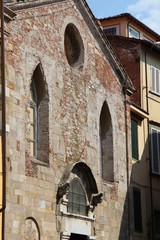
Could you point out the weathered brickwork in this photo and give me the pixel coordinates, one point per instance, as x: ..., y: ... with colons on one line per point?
x: 75, y: 99
x: 130, y: 58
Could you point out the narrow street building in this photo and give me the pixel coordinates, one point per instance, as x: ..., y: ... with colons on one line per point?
x: 137, y: 48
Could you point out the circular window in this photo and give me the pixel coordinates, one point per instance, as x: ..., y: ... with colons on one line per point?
x: 74, y: 48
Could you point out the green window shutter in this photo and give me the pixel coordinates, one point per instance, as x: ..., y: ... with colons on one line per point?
x: 134, y: 135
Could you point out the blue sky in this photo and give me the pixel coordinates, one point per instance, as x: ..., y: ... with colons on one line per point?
x: 147, y: 11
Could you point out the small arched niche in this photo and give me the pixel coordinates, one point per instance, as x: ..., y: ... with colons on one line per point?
x: 106, y: 144
x: 30, y: 229
x: 74, y: 48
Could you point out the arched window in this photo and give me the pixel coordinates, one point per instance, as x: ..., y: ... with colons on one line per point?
x: 77, y: 202
x: 39, y: 116
x: 33, y: 119
x: 106, y: 144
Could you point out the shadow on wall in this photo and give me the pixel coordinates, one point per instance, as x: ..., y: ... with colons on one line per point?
x: 141, y: 203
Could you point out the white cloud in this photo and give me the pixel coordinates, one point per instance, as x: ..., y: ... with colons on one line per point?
x: 147, y: 11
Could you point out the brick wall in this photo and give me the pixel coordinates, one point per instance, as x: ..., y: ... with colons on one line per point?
x: 128, y: 53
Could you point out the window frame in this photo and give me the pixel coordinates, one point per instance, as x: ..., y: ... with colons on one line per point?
x: 155, y: 80
x: 131, y: 35
x: 116, y: 27
x: 147, y: 39
x: 134, y: 142
x: 152, y: 146
x: 72, y: 195
x: 34, y: 122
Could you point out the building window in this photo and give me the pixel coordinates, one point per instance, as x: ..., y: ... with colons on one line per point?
x: 39, y: 117
x: 157, y: 222
x: 155, y: 150
x: 74, y: 48
x: 106, y: 144
x: 147, y: 39
x: 137, y: 209
x: 114, y: 30
x: 134, y: 138
x: 33, y: 120
x: 133, y: 33
x: 77, y: 202
x: 155, y: 80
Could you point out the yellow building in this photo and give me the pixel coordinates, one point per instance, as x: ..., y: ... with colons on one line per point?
x: 137, y: 47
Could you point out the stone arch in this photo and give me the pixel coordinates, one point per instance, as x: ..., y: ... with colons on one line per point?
x: 84, y: 173
x: 39, y: 116
x: 42, y: 114
x: 30, y: 229
x: 106, y: 143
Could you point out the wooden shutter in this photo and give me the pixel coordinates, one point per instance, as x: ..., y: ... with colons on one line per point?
x: 153, y: 77
x: 155, y: 80
x: 134, y: 135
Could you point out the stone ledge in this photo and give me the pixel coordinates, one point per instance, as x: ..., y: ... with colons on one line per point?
x: 38, y: 162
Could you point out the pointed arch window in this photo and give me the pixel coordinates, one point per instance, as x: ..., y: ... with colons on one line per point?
x: 106, y: 144
x: 39, y: 116
x: 77, y: 201
x: 33, y: 119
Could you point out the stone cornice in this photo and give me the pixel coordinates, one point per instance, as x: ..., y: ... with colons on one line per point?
x: 8, y: 14
x: 31, y: 4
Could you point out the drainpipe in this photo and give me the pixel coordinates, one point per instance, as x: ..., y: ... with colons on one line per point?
x: 3, y: 118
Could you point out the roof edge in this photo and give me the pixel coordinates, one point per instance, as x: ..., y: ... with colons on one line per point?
x: 106, y: 46
x: 129, y: 16
x: 25, y: 5
x: 9, y: 14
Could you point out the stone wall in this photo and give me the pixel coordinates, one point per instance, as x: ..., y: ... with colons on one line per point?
x: 76, y: 96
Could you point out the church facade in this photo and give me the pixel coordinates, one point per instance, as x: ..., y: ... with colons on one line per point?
x: 67, y: 120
